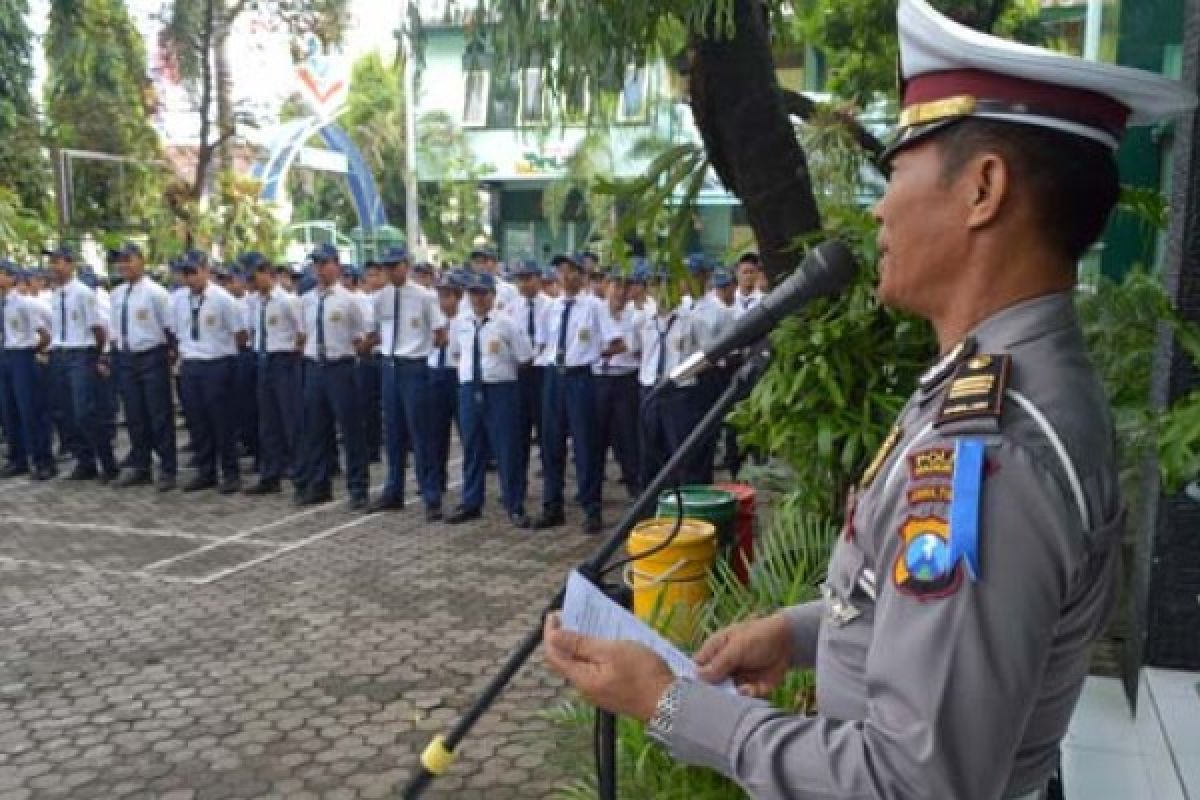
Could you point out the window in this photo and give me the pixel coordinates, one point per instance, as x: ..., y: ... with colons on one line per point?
x: 504, y: 97
x: 634, y: 95
x: 578, y: 101
x: 475, y: 99
x: 533, y: 101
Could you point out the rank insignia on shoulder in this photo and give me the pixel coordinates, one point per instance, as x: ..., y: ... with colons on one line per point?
x: 926, y: 566
x: 976, y: 391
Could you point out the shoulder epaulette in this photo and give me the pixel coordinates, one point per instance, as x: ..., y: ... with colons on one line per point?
x: 976, y: 391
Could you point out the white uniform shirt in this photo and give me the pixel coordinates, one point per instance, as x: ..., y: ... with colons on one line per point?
x: 206, y: 324
x: 342, y: 320
x: 277, y: 322
x: 450, y: 348
x: 75, y: 306
x: 715, y: 317
x: 678, y: 333
x: 649, y: 306
x: 518, y: 310
x: 419, y: 315
x: 369, y: 316
x: 502, y: 347
x: 590, y: 329
x: 507, y: 295
x: 744, y: 302
x: 145, y: 308
x: 23, y: 318
x: 628, y: 362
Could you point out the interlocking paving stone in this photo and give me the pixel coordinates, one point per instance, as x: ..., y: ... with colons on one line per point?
x: 320, y: 672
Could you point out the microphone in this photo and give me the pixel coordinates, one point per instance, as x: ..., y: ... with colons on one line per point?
x: 826, y: 272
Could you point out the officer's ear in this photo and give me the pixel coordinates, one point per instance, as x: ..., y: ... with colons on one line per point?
x: 986, y: 182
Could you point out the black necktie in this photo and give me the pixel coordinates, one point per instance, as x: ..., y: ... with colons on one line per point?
x: 477, y: 356
x: 662, y: 349
x: 395, y: 319
x: 125, y: 319
x: 196, y: 305
x: 3, y: 320
x: 321, y: 328
x: 560, y: 357
x: 530, y: 329
x: 262, y: 323
x: 62, y: 305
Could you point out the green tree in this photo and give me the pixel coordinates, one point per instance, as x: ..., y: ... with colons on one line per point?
x: 22, y: 165
x: 98, y: 97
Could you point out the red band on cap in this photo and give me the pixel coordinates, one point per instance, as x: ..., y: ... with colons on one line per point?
x: 1077, y: 105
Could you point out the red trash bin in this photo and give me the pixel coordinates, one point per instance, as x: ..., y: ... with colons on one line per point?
x: 741, y: 555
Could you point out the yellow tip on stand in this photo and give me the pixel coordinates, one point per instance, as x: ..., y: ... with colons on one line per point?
x: 437, y: 758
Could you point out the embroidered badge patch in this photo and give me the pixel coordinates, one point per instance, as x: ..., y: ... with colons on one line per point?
x: 143, y: 315
x: 885, y: 450
x: 935, y: 462
x: 416, y: 323
x: 74, y: 316
x: 272, y: 320
x: 925, y: 565
x: 493, y: 347
x: 335, y: 317
x: 211, y: 320
x: 938, y: 493
x: 585, y: 336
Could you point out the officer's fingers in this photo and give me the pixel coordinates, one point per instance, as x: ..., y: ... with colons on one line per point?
x: 573, y: 646
x: 713, y: 645
x: 722, y: 661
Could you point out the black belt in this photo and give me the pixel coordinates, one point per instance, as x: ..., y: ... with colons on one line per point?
x: 624, y: 374
x: 279, y: 354
x: 30, y: 349
x: 158, y: 348
x: 330, y: 362
x: 82, y: 349
x: 574, y: 370
x: 403, y: 360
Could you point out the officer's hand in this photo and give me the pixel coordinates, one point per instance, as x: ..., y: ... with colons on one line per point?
x: 756, y: 654
x: 622, y: 677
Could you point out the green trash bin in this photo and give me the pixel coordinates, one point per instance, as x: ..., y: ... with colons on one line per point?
x: 705, y: 503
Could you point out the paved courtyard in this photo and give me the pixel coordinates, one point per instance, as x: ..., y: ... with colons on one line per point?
x: 184, y: 646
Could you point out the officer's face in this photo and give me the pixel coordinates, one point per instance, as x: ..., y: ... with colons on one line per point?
x: 571, y: 278
x: 373, y: 279
x: 131, y: 267
x: 747, y: 276
x: 61, y: 269
x: 196, y: 279
x: 481, y: 301
x: 400, y: 273
x: 528, y: 285
x: 264, y: 281
x: 448, y: 300
x: 921, y: 236
x: 328, y: 272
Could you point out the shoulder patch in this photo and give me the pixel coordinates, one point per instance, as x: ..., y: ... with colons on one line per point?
x: 926, y: 566
x: 977, y: 390
x: 933, y: 463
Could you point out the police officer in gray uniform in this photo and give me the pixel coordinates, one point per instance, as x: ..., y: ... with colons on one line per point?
x: 978, y: 559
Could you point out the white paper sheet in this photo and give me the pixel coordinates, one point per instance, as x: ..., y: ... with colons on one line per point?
x: 589, y: 611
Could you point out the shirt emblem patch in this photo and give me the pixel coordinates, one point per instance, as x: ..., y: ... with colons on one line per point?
x: 493, y: 347
x: 272, y: 320
x: 936, y: 462
x: 335, y: 317
x: 585, y: 336
x: 926, y: 566
x: 143, y: 315
x: 938, y: 493
x: 74, y: 316
x: 416, y: 323
x: 211, y: 320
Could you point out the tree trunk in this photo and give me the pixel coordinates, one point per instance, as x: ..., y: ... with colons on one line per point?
x: 204, y: 151
x: 224, y: 80
x: 750, y: 139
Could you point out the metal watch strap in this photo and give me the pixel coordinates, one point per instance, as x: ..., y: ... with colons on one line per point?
x: 663, y: 721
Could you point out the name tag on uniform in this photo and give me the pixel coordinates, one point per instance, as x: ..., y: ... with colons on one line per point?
x: 143, y: 315
x: 585, y: 335
x: 493, y: 347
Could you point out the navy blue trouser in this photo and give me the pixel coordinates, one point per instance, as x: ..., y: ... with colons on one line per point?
x: 666, y: 421
x: 440, y: 407
x: 245, y: 383
x: 25, y: 385
x: 403, y: 382
x: 280, y: 413
x: 531, y: 383
x: 330, y: 400
x: 569, y: 406
x: 85, y: 412
x: 368, y: 376
x: 618, y: 398
x: 10, y: 420
x: 145, y: 383
x: 208, y: 387
x: 489, y: 414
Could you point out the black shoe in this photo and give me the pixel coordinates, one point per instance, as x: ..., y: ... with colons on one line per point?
x: 549, y: 518
x: 82, y: 474
x: 199, y: 484
x: 230, y: 486
x: 462, y: 515
x: 263, y: 487
x: 433, y: 514
x: 13, y: 470
x: 357, y: 502
x: 593, y: 524
x: 314, y: 498
x: 44, y: 473
x: 387, y: 503
x: 520, y: 520
x: 165, y: 483
x: 135, y: 478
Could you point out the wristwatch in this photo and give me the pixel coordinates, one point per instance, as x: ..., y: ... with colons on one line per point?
x: 663, y: 721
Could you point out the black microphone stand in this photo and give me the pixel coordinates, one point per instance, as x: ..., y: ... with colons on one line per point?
x: 440, y: 753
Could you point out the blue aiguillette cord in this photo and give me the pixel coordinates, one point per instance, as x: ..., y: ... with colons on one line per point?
x: 964, y: 508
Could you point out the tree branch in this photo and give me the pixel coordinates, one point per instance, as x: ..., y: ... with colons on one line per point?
x: 797, y: 105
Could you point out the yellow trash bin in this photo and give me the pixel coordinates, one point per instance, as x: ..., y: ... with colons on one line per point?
x: 669, y: 586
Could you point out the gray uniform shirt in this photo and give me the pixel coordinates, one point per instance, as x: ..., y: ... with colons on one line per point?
x: 961, y: 689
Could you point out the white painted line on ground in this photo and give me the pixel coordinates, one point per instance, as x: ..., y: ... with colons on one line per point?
x: 122, y: 530
x: 77, y: 566
x: 238, y: 537
x: 316, y: 537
